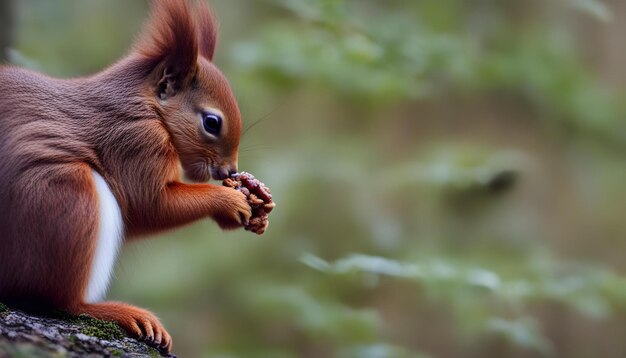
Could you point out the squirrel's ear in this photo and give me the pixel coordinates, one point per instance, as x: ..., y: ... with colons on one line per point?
x: 170, y: 43
x: 207, y: 30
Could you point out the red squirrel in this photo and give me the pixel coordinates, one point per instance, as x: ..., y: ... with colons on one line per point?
x: 87, y: 163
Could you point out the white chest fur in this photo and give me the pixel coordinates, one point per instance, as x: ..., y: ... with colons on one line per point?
x: 111, y: 228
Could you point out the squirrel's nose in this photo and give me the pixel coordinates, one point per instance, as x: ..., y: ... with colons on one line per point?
x: 231, y: 168
x: 219, y: 173
x: 223, y: 172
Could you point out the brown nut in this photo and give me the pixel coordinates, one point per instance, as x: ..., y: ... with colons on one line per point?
x: 259, y: 198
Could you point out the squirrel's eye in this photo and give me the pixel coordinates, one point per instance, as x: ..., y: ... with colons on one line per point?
x: 212, y: 123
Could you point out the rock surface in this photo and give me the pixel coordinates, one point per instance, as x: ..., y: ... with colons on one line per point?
x: 61, y: 335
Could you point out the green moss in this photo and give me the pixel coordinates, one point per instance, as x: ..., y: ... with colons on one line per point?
x: 3, y: 308
x: 116, y: 352
x: 99, y: 328
x: 154, y: 353
x: 90, y: 326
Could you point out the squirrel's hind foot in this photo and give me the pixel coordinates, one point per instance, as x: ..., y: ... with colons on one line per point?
x: 138, y: 323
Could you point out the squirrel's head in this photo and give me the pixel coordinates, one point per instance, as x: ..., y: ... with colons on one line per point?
x: 191, y: 95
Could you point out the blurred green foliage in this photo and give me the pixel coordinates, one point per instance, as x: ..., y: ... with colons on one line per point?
x: 449, y: 178
x: 393, y: 56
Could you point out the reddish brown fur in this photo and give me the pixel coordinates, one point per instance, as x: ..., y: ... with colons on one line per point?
x: 53, y: 133
x: 207, y: 30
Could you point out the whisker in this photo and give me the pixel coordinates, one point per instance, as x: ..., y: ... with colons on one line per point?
x: 256, y: 147
x: 263, y: 119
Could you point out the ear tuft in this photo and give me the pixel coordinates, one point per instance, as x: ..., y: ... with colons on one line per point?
x: 170, y: 38
x: 207, y: 30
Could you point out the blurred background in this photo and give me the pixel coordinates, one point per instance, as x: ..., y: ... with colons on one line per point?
x: 450, y: 176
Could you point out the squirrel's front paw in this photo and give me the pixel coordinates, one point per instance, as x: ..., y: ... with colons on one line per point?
x: 232, y: 209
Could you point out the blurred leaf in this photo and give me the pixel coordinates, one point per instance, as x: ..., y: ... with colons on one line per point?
x: 379, y: 351
x: 452, y: 281
x: 19, y: 59
x: 523, y: 333
x: 593, y: 7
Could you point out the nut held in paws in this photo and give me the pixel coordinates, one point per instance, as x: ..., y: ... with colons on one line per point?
x: 259, y: 197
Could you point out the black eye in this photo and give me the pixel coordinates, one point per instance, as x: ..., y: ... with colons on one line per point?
x: 212, y: 123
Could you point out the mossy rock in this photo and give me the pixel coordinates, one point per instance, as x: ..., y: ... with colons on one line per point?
x: 58, y: 334
x: 100, y: 329
x: 27, y: 350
